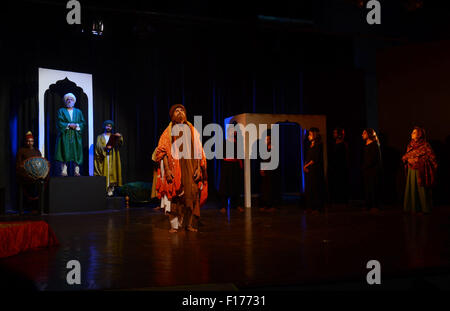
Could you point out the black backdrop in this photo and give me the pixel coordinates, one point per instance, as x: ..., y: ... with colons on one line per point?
x: 215, y: 70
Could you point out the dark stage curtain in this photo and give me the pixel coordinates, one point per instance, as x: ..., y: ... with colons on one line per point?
x: 4, y: 130
x: 214, y: 75
x: 291, y: 158
x: 19, y: 102
x: 216, y: 70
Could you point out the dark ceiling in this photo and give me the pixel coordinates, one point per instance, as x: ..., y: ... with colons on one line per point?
x: 408, y: 20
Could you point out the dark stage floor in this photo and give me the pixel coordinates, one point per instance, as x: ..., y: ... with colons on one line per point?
x: 132, y: 249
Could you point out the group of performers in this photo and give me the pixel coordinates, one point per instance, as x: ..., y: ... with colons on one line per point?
x: 69, y: 147
x: 70, y: 125
x: 181, y: 183
x: 419, y: 161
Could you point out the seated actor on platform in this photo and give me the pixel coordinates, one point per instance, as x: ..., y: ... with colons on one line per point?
x: 70, y: 125
x: 107, y: 157
x: 182, y: 178
x: 30, y: 188
x: 27, y: 152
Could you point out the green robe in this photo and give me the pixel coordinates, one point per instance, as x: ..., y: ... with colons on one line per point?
x: 101, y: 163
x: 69, y: 145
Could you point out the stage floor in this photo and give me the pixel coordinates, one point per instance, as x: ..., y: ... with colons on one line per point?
x: 132, y: 249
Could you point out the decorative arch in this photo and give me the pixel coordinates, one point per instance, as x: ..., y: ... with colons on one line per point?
x: 53, y: 101
x: 57, y: 81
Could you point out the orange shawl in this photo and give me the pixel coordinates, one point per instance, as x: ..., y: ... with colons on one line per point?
x: 165, y: 148
x: 424, y: 160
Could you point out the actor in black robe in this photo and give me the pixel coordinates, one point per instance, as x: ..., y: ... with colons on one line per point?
x: 231, y: 183
x: 371, y: 170
x: 338, y: 168
x: 314, y: 173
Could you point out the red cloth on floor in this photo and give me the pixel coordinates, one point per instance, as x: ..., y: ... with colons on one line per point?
x: 20, y: 236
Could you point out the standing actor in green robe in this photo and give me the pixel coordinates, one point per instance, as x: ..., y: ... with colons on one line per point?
x: 70, y: 125
x: 107, y: 158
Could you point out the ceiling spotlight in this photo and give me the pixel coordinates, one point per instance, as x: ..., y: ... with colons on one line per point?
x: 97, y: 28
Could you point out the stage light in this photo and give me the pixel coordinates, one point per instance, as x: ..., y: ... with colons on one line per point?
x: 97, y: 28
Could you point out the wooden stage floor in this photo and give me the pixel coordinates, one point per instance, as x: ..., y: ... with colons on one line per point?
x: 132, y: 249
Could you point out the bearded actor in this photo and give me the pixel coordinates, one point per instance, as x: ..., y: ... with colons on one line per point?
x: 107, y: 157
x: 70, y: 125
x: 182, y: 178
x: 29, y: 189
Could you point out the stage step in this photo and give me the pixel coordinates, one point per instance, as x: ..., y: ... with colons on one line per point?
x: 77, y: 194
x: 115, y: 203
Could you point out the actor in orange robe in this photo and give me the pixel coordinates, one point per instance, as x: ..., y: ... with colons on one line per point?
x: 182, y: 180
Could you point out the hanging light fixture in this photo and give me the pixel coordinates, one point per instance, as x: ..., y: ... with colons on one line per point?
x: 97, y: 27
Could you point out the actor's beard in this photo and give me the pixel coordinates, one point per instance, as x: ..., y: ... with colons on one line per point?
x: 108, y: 130
x: 179, y: 119
x: 70, y: 105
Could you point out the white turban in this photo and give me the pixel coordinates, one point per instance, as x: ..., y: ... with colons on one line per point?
x: 70, y: 95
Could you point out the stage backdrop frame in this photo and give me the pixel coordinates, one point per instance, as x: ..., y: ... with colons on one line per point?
x: 47, y: 77
x: 304, y: 120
